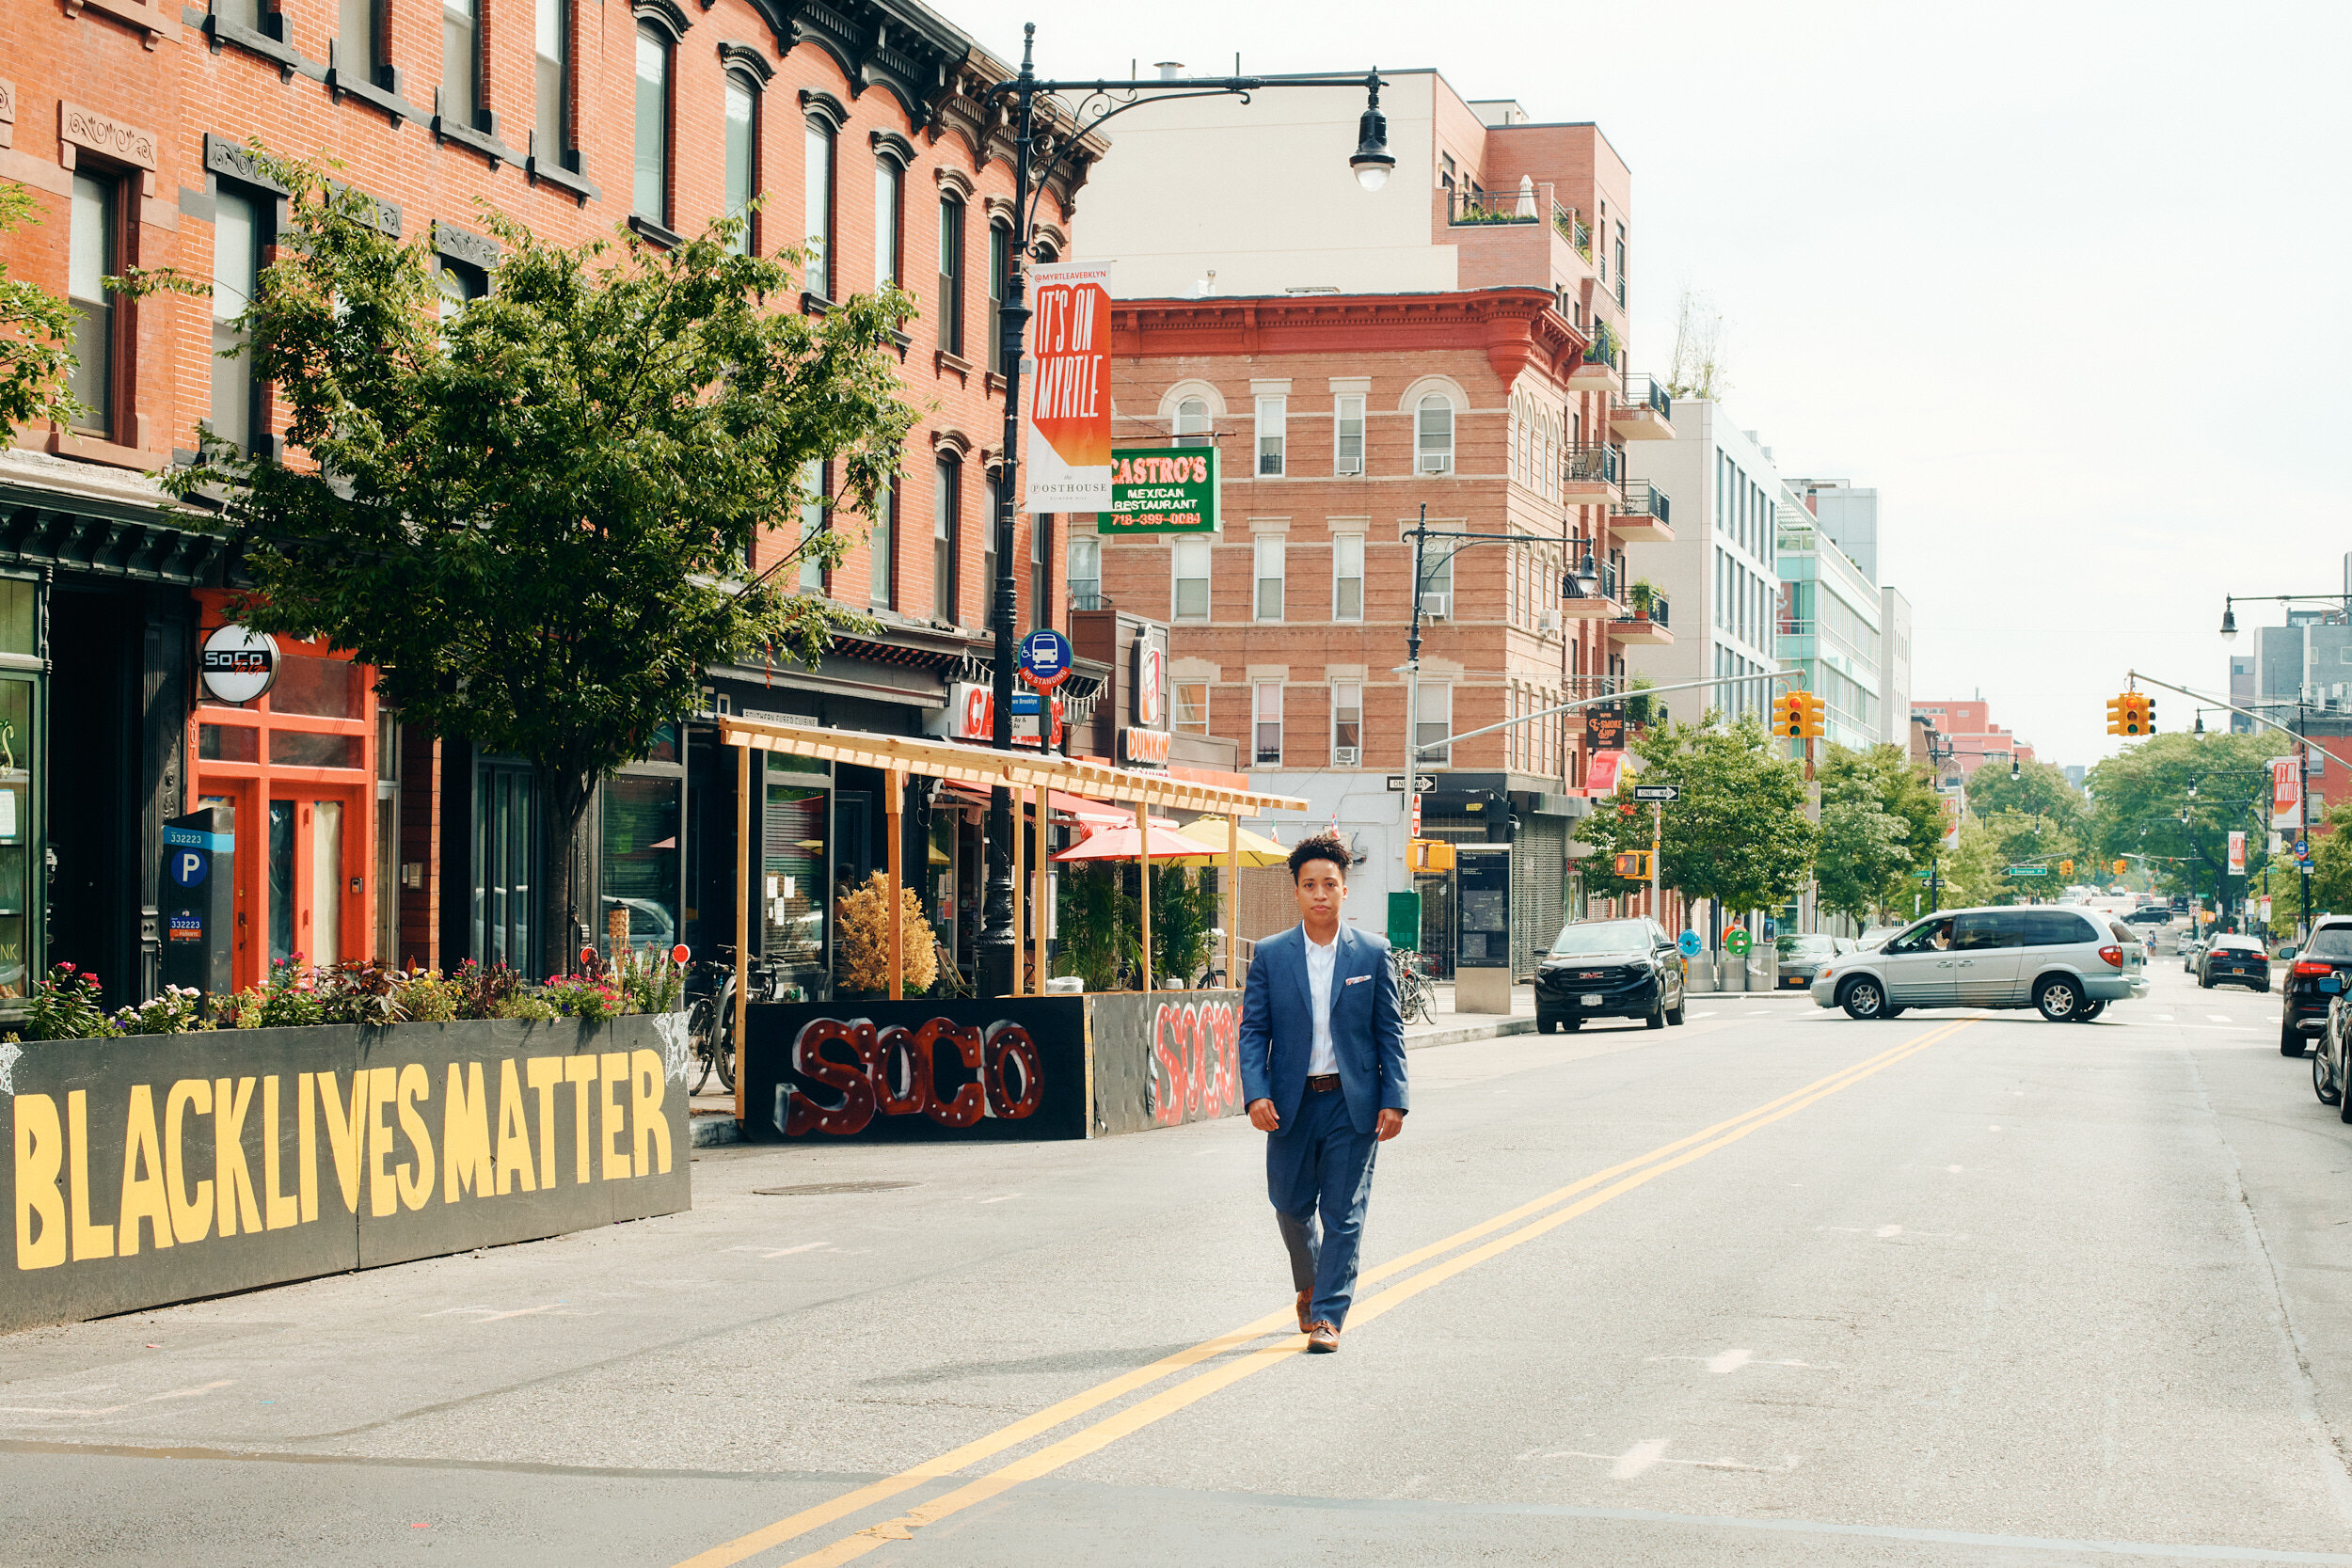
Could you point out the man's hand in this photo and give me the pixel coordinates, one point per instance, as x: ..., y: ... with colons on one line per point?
x: 1261, y: 1117
x: 1391, y: 1123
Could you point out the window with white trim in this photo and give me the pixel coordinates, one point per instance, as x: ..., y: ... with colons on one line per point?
x: 811, y: 524
x: 1433, y: 435
x: 1192, y: 422
x: 1265, y: 707
x: 1347, y: 576
x: 1437, y: 579
x: 1347, y: 723
x: 1192, y: 580
x: 1266, y: 601
x: 1192, y: 707
x: 1086, y: 571
x: 1273, y: 434
x: 1433, y: 721
x: 1348, y: 434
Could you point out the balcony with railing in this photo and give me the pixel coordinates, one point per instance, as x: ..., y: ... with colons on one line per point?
x: 1592, y: 474
x: 1515, y: 237
x: 1603, y: 361
x: 1644, y: 413
x: 1642, y: 514
x: 1573, y: 229
x: 1644, y: 618
x: 1601, y: 604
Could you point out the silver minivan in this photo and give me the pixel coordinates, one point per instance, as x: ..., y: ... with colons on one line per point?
x: 2067, y: 961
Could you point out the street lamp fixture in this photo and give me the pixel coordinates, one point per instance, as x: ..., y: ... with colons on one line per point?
x: 2229, y: 623
x: 1372, y: 162
x: 2014, y: 771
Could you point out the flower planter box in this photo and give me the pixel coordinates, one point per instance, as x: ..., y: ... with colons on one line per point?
x: 157, y: 1169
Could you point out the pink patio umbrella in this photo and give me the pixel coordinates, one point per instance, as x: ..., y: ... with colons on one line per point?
x: 1107, y: 843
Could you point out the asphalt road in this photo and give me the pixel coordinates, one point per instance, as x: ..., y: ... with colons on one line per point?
x: 1771, y: 1287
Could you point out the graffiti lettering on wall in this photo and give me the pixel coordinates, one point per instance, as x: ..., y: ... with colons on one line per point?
x: 380, y: 1152
x: 953, y: 1073
x: 1196, y: 1061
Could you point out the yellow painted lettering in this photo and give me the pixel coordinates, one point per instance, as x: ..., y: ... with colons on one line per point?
x: 277, y: 1208
x: 383, y: 1196
x: 650, y: 1127
x: 89, y: 1240
x: 611, y: 1120
x: 581, y: 1072
x: 233, y: 1177
x: 142, y: 1196
x: 39, y: 1183
x: 514, y: 1131
x: 415, y: 1084
x: 465, y: 1136
x: 544, y: 1073
x: 191, y: 1207
x: 346, y: 1132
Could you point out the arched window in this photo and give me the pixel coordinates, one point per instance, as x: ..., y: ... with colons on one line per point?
x: 889, y: 182
x: 742, y: 137
x: 649, y: 193
x: 818, y: 161
x: 1433, y: 435
x: 1192, y: 422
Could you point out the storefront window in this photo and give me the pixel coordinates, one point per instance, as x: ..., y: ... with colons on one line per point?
x: 281, y: 881
x: 322, y: 688
x: 793, y: 901
x: 228, y: 743
x: 641, y: 861
x: 19, y: 616
x: 506, y: 840
x: 16, y: 832
x: 308, y: 749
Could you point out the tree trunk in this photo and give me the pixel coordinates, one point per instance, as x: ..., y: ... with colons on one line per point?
x: 567, y: 793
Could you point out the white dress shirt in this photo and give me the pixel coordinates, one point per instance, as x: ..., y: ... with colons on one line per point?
x: 1322, y: 960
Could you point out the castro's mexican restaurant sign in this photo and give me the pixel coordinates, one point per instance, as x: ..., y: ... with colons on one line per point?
x: 1154, y: 490
x: 1066, y: 406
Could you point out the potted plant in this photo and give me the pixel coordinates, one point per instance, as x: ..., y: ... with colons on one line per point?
x: 862, y: 942
x: 1645, y: 593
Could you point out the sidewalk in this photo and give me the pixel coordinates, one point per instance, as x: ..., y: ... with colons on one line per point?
x: 714, y: 1111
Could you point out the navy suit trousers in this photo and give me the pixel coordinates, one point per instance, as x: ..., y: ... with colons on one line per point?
x: 1318, y: 1172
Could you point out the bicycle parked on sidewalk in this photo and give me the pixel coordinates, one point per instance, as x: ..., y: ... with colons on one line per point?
x: 1414, y: 990
x: 710, y: 1019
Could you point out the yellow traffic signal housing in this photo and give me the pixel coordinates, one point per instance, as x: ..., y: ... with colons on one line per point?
x: 2138, y: 715
x: 2116, y: 707
x: 1432, y: 856
x: 1789, y: 714
x: 1633, y: 866
x: 2122, y: 867
x: 2066, y: 868
x: 2147, y: 713
x: 1815, y: 716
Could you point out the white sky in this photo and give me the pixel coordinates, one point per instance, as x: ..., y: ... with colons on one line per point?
x: 2048, y: 274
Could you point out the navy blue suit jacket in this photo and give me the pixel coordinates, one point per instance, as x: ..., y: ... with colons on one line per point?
x: 1278, y: 1028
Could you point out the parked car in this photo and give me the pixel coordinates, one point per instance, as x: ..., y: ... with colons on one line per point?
x: 1800, y: 958
x: 2234, y: 960
x: 2191, y: 950
x: 2067, y: 962
x: 2316, y: 983
x: 1609, y: 969
x: 1876, y: 934
x: 2151, y: 914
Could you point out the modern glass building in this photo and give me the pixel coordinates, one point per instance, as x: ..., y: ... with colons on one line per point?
x: 1829, y: 626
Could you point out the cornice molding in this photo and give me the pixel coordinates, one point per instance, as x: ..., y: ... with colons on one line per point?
x: 748, y: 59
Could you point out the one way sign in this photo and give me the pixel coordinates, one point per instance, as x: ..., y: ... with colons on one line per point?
x: 1658, y: 792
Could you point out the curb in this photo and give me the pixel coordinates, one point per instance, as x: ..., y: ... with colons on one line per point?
x: 713, y: 1128
x: 1415, y: 1040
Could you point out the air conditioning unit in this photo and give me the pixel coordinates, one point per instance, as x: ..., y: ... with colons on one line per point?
x: 1547, y: 622
x: 1437, y: 607
x: 1345, y: 756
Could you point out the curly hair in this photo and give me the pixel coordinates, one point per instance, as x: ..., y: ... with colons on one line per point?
x: 1323, y: 846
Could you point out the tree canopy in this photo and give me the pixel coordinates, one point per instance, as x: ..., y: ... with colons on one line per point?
x: 35, y: 332
x: 532, y: 514
x: 1737, y: 836
x: 2141, y: 795
x: 1881, y: 820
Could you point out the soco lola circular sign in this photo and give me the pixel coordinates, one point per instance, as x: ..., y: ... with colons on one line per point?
x: 239, y: 663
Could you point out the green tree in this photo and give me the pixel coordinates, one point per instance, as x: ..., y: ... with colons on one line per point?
x: 36, y: 329
x: 2142, y: 804
x: 1737, y: 836
x: 2040, y: 789
x: 1973, y: 871
x: 532, y: 514
x: 1881, y: 820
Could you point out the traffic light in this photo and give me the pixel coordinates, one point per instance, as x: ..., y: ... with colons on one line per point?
x: 2147, y: 713
x: 1815, y: 716
x: 2122, y: 867
x: 1432, y: 856
x: 1633, y: 866
x: 2116, y: 707
x: 1789, y: 714
x: 2066, y: 868
x: 2133, y: 713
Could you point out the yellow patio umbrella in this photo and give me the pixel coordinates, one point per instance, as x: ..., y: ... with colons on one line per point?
x: 1256, y: 849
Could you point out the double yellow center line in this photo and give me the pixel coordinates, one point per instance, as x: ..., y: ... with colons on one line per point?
x: 1554, y: 1208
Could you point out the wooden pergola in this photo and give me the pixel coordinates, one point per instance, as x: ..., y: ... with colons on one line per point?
x: 904, y: 757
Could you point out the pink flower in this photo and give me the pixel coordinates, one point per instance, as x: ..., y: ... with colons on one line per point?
x: 297, y: 957
x: 94, y: 982
x: 68, y: 968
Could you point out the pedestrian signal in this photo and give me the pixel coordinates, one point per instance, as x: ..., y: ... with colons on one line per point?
x: 1633, y: 866
x: 2115, y: 715
x: 1788, y: 715
x: 1432, y: 856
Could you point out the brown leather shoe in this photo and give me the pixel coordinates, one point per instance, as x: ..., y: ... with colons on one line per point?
x: 1322, y: 1337
x: 1303, y: 1297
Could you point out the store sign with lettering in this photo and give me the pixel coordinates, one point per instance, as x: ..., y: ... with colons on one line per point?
x: 1005, y: 1067
x: 239, y: 664
x: 1149, y: 747
x: 1066, y: 397
x: 1161, y: 490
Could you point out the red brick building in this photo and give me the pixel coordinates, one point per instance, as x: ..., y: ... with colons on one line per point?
x: 860, y: 127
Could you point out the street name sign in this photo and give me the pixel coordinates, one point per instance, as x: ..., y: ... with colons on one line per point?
x: 2029, y: 871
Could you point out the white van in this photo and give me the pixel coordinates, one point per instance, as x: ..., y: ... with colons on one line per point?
x: 2066, y: 960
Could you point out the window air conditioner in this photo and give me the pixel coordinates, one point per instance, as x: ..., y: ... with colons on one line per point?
x: 1345, y: 756
x: 1434, y: 607
x: 1547, y: 622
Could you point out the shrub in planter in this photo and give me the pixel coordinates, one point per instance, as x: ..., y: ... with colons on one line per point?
x: 68, y: 1005
x: 862, y: 946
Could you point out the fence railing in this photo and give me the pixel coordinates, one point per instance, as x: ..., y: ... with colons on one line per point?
x: 1594, y: 460
x: 1573, y: 229
x: 1644, y: 499
x: 1471, y: 206
x: 1645, y: 391
x: 1603, y: 346
x: 1086, y: 595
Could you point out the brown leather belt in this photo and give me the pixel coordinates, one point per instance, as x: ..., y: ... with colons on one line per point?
x: 1323, y: 1083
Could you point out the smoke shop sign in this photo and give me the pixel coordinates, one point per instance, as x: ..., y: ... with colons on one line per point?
x: 1156, y: 490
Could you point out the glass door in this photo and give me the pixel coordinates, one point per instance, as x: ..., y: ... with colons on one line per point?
x: 17, y: 834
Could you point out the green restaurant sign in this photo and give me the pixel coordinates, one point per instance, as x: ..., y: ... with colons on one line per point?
x: 1156, y: 490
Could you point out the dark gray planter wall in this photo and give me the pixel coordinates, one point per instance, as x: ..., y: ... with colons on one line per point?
x: 167, y: 1167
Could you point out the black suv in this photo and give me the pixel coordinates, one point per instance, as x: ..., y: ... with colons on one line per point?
x: 2320, y: 973
x: 1609, y: 969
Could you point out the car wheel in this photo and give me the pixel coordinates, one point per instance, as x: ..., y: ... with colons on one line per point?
x: 2088, y: 1011
x: 1863, y: 998
x: 1656, y: 1018
x: 1572, y: 1024
x: 2290, y: 1044
x: 2059, y: 998
x: 2203, y: 983
x: 1674, y: 1015
x: 2324, y: 1078
x: 1544, y: 1025
x: 1890, y: 1012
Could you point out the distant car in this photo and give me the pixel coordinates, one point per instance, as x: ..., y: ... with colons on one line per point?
x: 2317, y: 981
x: 1876, y: 934
x: 2067, y: 962
x: 2191, y: 950
x: 1609, y: 969
x: 2151, y: 914
x: 1801, y: 957
x: 2234, y: 960
x: 648, y: 922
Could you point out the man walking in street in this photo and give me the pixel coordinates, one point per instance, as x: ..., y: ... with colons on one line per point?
x: 1323, y: 1069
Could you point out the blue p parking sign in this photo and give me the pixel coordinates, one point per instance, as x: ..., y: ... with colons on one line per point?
x: 189, y: 866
